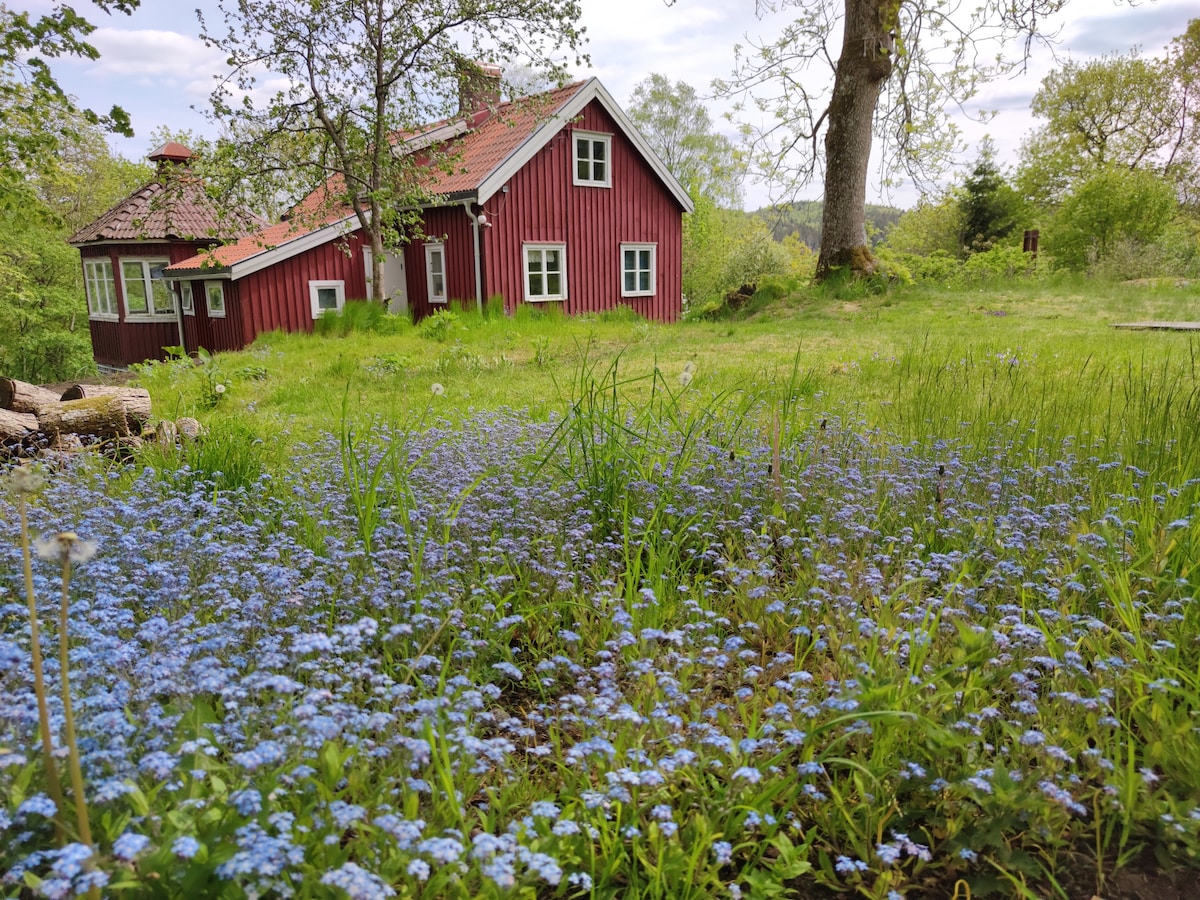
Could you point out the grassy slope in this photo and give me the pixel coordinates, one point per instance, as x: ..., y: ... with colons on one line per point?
x: 888, y: 355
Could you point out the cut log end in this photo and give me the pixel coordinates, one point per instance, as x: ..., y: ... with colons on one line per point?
x: 20, y: 397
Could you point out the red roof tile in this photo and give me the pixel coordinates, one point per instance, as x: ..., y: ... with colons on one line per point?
x: 318, y: 209
x: 177, y: 209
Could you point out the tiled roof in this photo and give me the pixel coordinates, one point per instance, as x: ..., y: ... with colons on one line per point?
x: 311, y: 214
x: 173, y: 208
x: 477, y: 153
x: 484, y: 148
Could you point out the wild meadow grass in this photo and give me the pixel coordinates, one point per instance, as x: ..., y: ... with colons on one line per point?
x: 894, y: 612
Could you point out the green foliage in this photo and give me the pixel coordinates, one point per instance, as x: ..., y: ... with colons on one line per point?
x: 35, y: 113
x: 233, y: 453
x: 439, y: 325
x: 360, y: 316
x: 677, y: 126
x: 990, y: 207
x: 723, y: 249
x: 934, y: 227
x: 1111, y: 207
x: 44, y: 335
x: 993, y: 267
x: 802, y: 218
x: 1117, y: 111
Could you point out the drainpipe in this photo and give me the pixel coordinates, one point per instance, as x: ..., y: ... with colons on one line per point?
x: 178, y: 292
x: 467, y: 204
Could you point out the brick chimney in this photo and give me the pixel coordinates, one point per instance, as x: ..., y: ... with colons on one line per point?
x: 478, y: 88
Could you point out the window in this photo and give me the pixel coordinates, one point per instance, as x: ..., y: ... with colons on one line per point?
x: 592, y: 156
x: 435, y: 272
x: 187, y: 299
x: 326, y: 296
x: 101, y: 291
x: 638, y: 270
x: 214, y: 295
x: 545, y: 272
x: 146, y: 292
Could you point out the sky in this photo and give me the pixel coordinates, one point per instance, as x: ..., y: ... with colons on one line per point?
x: 154, y: 65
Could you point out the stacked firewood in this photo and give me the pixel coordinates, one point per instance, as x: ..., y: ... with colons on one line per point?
x: 34, y: 419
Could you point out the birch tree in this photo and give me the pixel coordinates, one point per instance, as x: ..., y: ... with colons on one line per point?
x: 896, y: 66
x: 325, y: 92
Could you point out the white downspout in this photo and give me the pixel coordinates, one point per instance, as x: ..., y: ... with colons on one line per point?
x: 467, y: 204
x: 178, y: 297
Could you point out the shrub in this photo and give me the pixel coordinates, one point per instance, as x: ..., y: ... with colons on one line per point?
x: 439, y: 325
x: 1113, y: 207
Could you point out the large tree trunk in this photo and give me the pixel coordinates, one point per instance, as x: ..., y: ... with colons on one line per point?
x: 862, y: 69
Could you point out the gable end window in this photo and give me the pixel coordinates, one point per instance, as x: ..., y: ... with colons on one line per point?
x: 638, y: 269
x: 214, y: 297
x: 101, y: 290
x: 593, y: 159
x: 545, y: 272
x: 435, y: 272
x: 326, y: 297
x: 147, y: 293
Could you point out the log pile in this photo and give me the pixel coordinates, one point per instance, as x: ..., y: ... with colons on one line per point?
x: 34, y: 419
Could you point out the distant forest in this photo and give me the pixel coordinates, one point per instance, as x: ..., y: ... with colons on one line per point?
x: 803, y: 219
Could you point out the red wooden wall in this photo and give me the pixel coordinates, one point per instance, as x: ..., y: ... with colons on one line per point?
x: 542, y: 205
x: 278, y: 297
x: 450, y: 225
x: 121, y: 343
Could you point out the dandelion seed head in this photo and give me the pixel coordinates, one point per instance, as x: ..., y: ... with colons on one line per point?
x: 26, y: 480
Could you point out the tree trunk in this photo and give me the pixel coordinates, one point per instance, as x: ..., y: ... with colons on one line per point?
x: 16, y: 425
x: 136, y: 400
x: 862, y: 70
x: 101, y: 416
x: 24, y: 398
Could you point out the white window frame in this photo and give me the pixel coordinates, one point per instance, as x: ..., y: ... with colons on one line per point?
x: 147, y: 265
x: 214, y: 313
x: 314, y: 294
x: 432, y: 249
x: 637, y: 270
x: 100, y: 307
x: 592, y: 139
x: 540, y: 249
x: 187, y: 298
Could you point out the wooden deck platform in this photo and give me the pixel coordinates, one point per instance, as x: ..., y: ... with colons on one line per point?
x: 1159, y: 326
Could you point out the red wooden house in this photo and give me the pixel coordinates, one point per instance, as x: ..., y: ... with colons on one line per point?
x: 132, y: 311
x: 555, y: 201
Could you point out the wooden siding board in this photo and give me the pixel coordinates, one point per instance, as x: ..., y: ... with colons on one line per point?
x: 544, y: 206
x: 451, y: 226
x: 278, y: 297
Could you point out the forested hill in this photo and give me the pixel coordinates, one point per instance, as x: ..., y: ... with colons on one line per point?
x: 803, y: 219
